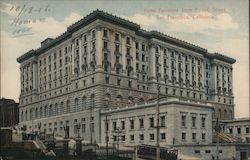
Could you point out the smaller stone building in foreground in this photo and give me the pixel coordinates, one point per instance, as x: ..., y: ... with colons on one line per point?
x: 9, y: 112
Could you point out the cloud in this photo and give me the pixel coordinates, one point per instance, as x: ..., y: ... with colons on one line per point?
x: 195, y: 22
x: 6, y: 8
x: 13, y: 47
x: 50, y: 27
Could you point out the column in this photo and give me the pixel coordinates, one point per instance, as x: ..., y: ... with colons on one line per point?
x: 133, y: 53
x: 99, y: 53
x: 152, y: 74
x: 35, y: 76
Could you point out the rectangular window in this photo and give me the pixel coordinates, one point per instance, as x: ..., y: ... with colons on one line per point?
x: 122, y: 125
x: 132, y: 137
x: 163, y: 136
x: 203, y: 122
x: 162, y: 121
x: 247, y: 129
x: 183, y: 136
x: 152, y: 136
x: 141, y: 121
x: 132, y: 124
x: 116, y: 37
x: 203, y: 136
x: 141, y: 137
x: 114, y: 126
x: 105, y: 33
x: 151, y: 122
x: 83, y: 128
x: 193, y: 136
x: 239, y: 130
x: 183, y: 120
x: 193, y: 121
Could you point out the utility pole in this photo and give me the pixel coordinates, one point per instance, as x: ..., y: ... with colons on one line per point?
x: 217, y: 141
x: 158, y: 124
x: 90, y: 124
x: 107, y: 137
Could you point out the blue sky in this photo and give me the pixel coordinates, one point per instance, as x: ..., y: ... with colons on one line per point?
x: 218, y: 26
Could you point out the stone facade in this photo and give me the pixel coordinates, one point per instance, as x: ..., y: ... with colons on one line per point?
x: 9, y: 112
x: 104, y: 62
x: 181, y: 122
x: 239, y: 127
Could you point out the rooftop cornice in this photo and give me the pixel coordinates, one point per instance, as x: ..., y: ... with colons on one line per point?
x: 220, y: 57
x: 99, y: 14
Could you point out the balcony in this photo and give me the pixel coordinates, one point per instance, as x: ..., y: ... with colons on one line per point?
x: 117, y: 65
x: 129, y: 56
x: 117, y: 53
x: 106, y: 62
x: 129, y: 68
x: 84, y: 66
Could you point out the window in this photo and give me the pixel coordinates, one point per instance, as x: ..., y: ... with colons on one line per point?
x: 105, y: 33
x: 132, y: 124
x: 92, y: 101
x: 183, y: 120
x: 132, y: 137
x: 128, y: 40
x: 114, y: 126
x: 239, y: 130
x: 163, y: 136
x: 105, y: 45
x: 247, y: 129
x: 93, y: 34
x: 118, y: 82
x: 231, y: 130
x: 129, y: 83
x: 123, y: 125
x: 141, y: 137
x: 203, y: 136
x: 123, y: 138
x: 83, y: 128
x: 193, y: 121
x: 193, y: 136
x: 141, y: 121
x: 92, y: 127
x: 116, y: 37
x: 183, y: 136
x: 152, y: 136
x: 162, y: 121
x: 208, y: 151
x: 197, y: 151
x: 107, y: 80
x: 151, y: 122
x: 203, y: 120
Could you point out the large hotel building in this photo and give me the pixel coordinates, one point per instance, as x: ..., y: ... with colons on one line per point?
x: 107, y: 68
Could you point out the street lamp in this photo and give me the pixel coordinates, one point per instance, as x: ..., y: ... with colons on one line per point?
x: 158, y: 124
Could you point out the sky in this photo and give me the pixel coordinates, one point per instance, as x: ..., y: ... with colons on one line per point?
x: 218, y: 26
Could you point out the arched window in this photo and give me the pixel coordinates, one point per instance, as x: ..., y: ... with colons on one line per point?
x: 21, y: 116
x: 46, y: 111
x: 56, y: 109
x: 84, y: 104
x: 92, y: 101
x: 225, y: 114
x: 76, y: 105
x: 119, y: 98
x: 68, y: 106
x: 31, y: 114
x: 25, y: 115
x: 231, y: 114
x: 219, y: 114
x: 50, y: 110
x: 130, y: 100
x: 61, y: 108
x: 141, y: 100
x: 36, y: 113
x: 41, y: 112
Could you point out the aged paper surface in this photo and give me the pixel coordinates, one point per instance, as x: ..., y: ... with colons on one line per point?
x: 218, y: 26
